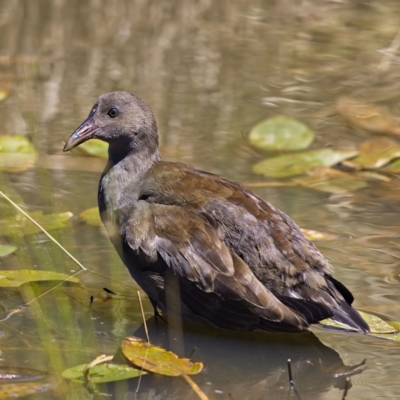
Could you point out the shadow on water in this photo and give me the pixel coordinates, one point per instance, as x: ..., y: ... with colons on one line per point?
x: 241, y: 365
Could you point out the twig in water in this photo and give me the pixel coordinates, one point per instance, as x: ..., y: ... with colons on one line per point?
x: 291, y: 381
x: 143, y: 317
x: 289, y: 367
x: 43, y: 230
x: 346, y: 388
x: 195, y: 388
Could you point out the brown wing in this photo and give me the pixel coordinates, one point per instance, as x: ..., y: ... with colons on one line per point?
x: 215, y: 284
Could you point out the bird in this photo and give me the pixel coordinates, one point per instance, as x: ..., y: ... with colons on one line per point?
x: 231, y: 259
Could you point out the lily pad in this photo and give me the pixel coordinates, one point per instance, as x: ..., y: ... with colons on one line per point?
x: 331, y: 180
x: 102, y: 373
x: 16, y: 153
x: 298, y: 163
x: 281, y: 133
x: 16, y: 278
x: 5, y: 250
x: 369, y: 117
x: 156, y: 359
x: 377, y: 152
x: 20, y: 225
x: 376, y: 324
x: 91, y: 216
x: 314, y: 235
x: 94, y: 148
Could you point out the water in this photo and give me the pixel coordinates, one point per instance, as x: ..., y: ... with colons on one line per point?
x: 209, y: 70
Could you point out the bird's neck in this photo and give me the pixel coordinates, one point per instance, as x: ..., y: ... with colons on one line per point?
x: 120, y: 183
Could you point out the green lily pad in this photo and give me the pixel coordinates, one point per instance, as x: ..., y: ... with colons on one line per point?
x: 331, y: 180
x: 377, y: 152
x: 376, y: 324
x: 366, y: 116
x: 16, y: 153
x: 16, y: 278
x: 94, y: 148
x: 91, y: 216
x: 298, y: 163
x: 281, y: 133
x: 20, y: 225
x: 102, y: 373
x: 5, y: 250
x: 156, y: 359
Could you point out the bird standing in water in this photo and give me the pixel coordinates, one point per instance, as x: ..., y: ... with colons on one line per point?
x: 238, y: 262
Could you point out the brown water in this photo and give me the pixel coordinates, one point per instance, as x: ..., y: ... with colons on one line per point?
x: 209, y: 70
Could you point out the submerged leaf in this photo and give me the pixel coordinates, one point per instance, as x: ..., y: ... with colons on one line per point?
x: 5, y: 250
x: 18, y: 390
x: 91, y: 216
x: 298, y: 163
x: 20, y: 225
x: 16, y: 278
x: 102, y: 373
x: 376, y: 324
x: 16, y: 153
x: 94, y: 148
x: 392, y: 168
x: 281, y: 133
x: 156, y: 359
x: 313, y: 235
x: 369, y: 117
x: 331, y: 181
x: 375, y: 153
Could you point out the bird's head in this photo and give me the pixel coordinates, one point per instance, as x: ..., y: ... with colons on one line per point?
x: 122, y: 120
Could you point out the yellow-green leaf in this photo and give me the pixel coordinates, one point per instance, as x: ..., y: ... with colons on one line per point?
x: 91, y: 216
x: 156, y: 359
x: 281, y: 133
x: 5, y: 250
x: 298, y: 163
x: 23, y: 389
x: 20, y: 225
x: 102, y: 373
x: 377, y: 152
x: 376, y: 324
x: 16, y: 278
x: 16, y: 153
x: 95, y: 148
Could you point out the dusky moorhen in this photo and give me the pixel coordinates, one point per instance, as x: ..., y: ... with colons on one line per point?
x: 237, y: 262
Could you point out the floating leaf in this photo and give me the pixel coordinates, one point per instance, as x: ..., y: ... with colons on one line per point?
x: 377, y: 152
x: 95, y: 148
x: 392, y: 168
x: 20, y: 225
x: 16, y: 153
x: 313, y: 235
x: 5, y: 250
x: 376, y: 324
x: 156, y: 359
x: 91, y: 216
x: 16, y: 278
x: 331, y: 181
x: 281, y: 133
x: 102, y: 373
x: 298, y: 163
x: 371, y: 118
x: 4, y: 94
x: 18, y: 390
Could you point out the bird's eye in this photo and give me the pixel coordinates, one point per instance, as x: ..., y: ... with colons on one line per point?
x: 113, y: 113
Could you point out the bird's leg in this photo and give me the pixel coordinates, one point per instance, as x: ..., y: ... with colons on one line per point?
x: 156, y: 313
